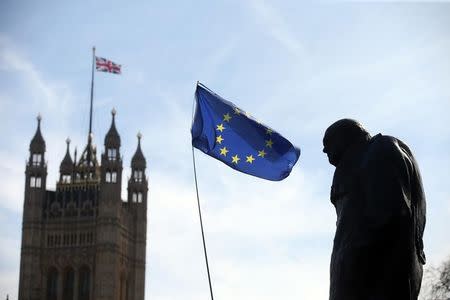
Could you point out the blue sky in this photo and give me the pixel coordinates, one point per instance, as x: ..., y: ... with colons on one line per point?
x: 297, y: 67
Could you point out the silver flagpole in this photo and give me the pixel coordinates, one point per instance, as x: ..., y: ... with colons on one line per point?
x: 92, y: 90
x: 199, y: 210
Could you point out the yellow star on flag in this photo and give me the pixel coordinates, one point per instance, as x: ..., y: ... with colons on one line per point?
x: 236, y: 159
x: 269, y: 143
x: 250, y: 159
x: 269, y: 131
x: 237, y: 111
x: 220, y: 127
x: 262, y: 153
x: 227, y: 117
x: 219, y: 139
x: 223, y: 151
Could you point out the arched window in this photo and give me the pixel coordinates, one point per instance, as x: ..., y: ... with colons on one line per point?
x: 134, y: 197
x: 114, y: 177
x: 68, y: 285
x: 138, y: 175
x: 66, y: 178
x: 111, y: 177
x: 84, y: 283
x: 52, y: 284
x: 36, y: 159
x: 112, y: 154
x: 35, y: 181
x: 139, y: 197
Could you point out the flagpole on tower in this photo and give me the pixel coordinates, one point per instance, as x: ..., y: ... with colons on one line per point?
x: 92, y: 93
x: 199, y: 210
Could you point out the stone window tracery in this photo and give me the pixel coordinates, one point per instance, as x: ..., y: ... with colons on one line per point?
x: 138, y: 175
x: 112, y: 154
x: 35, y: 182
x: 36, y: 159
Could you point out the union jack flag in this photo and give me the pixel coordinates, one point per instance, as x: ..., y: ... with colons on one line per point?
x: 104, y: 65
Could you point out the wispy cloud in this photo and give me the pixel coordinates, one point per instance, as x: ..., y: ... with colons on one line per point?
x: 215, y: 60
x: 52, y: 96
x: 274, y: 24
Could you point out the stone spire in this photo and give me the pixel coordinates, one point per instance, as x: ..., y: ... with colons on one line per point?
x: 37, y: 144
x: 138, y: 160
x: 66, y: 166
x: 112, y: 138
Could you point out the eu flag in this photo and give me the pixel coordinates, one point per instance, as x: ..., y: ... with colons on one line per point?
x: 231, y: 135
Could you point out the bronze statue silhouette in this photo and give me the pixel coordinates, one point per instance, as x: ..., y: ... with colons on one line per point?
x: 380, y: 205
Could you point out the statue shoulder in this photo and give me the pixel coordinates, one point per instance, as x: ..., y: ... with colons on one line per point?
x: 381, y: 140
x: 384, y: 145
x: 387, y: 154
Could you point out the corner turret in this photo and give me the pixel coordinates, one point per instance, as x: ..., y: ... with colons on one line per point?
x: 137, y: 202
x: 36, y: 171
x: 137, y: 184
x: 37, y: 144
x: 138, y: 161
x: 35, y: 195
x: 112, y: 138
x: 67, y: 166
x: 111, y: 168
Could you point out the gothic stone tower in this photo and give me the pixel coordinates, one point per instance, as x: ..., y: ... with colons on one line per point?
x: 82, y: 241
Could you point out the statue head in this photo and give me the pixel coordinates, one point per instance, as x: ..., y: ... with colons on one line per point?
x: 340, y: 136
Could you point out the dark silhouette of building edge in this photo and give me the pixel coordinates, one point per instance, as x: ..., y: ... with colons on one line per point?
x: 82, y: 241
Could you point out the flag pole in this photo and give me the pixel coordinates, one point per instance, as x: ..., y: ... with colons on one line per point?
x: 199, y: 210
x: 92, y: 92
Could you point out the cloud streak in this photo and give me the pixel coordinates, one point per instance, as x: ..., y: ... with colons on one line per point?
x: 274, y: 24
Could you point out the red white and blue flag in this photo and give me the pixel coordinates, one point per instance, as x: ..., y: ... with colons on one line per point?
x: 104, y: 65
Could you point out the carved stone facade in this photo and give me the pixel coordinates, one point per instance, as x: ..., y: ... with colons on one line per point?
x: 82, y: 241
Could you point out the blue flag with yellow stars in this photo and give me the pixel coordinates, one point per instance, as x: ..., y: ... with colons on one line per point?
x: 231, y: 135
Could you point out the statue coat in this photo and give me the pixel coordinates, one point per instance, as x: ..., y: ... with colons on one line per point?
x: 380, y: 205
